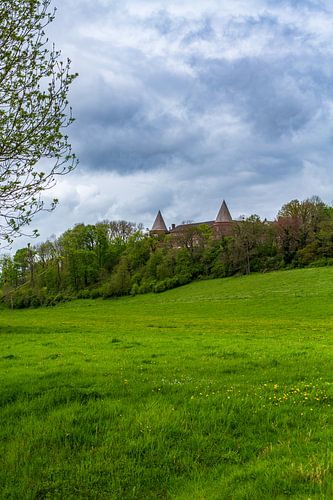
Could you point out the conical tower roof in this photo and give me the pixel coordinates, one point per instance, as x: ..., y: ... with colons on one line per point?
x: 224, y: 214
x: 159, y: 224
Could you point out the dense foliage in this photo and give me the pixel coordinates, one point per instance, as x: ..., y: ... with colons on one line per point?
x: 111, y: 259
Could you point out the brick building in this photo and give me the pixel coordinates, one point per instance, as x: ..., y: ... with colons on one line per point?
x: 222, y: 225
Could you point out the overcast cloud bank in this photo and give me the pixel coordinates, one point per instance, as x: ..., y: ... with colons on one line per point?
x: 180, y: 104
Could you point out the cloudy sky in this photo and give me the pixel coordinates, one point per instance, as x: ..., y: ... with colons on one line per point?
x: 181, y: 103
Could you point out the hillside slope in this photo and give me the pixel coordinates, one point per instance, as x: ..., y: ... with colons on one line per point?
x: 219, y: 389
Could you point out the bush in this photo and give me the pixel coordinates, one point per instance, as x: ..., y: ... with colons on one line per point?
x: 84, y: 294
x: 169, y: 283
x: 161, y: 286
x: 95, y: 293
x: 135, y: 289
x: 120, y: 282
x: 147, y: 285
x: 324, y: 261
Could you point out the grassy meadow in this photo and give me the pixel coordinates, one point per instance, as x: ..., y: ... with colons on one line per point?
x: 219, y: 389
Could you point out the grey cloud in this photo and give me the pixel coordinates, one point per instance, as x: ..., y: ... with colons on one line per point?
x: 125, y: 129
x: 269, y: 94
x: 140, y: 127
x: 222, y: 104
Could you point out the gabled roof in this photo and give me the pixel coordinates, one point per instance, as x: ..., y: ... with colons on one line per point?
x: 159, y: 224
x: 224, y: 214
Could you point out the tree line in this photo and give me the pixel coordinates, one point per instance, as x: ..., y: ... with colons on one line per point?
x: 116, y: 258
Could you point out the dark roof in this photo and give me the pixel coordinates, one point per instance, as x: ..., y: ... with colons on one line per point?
x: 159, y: 224
x: 224, y: 214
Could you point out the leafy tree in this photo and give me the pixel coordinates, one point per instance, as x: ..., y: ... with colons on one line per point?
x: 34, y: 84
x: 9, y: 277
x: 248, y: 236
x: 325, y: 235
x: 215, y: 258
x: 288, y: 230
x: 101, y: 243
x: 22, y: 264
x: 82, y: 268
x: 120, y: 282
x: 194, y: 238
x: 121, y: 229
x: 138, y: 249
x: 300, y: 220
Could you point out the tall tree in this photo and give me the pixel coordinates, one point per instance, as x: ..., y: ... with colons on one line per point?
x: 34, y: 85
x: 307, y: 214
x: 248, y: 236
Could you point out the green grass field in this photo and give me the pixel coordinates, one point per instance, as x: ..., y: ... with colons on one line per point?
x: 220, y: 389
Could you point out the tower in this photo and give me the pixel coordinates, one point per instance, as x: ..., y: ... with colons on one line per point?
x: 159, y: 226
x: 223, y: 224
x: 224, y: 214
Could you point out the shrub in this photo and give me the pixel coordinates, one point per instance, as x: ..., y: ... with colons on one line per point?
x: 84, y: 294
x: 95, y: 293
x: 324, y: 261
x: 147, y: 285
x: 135, y: 289
x: 169, y: 283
